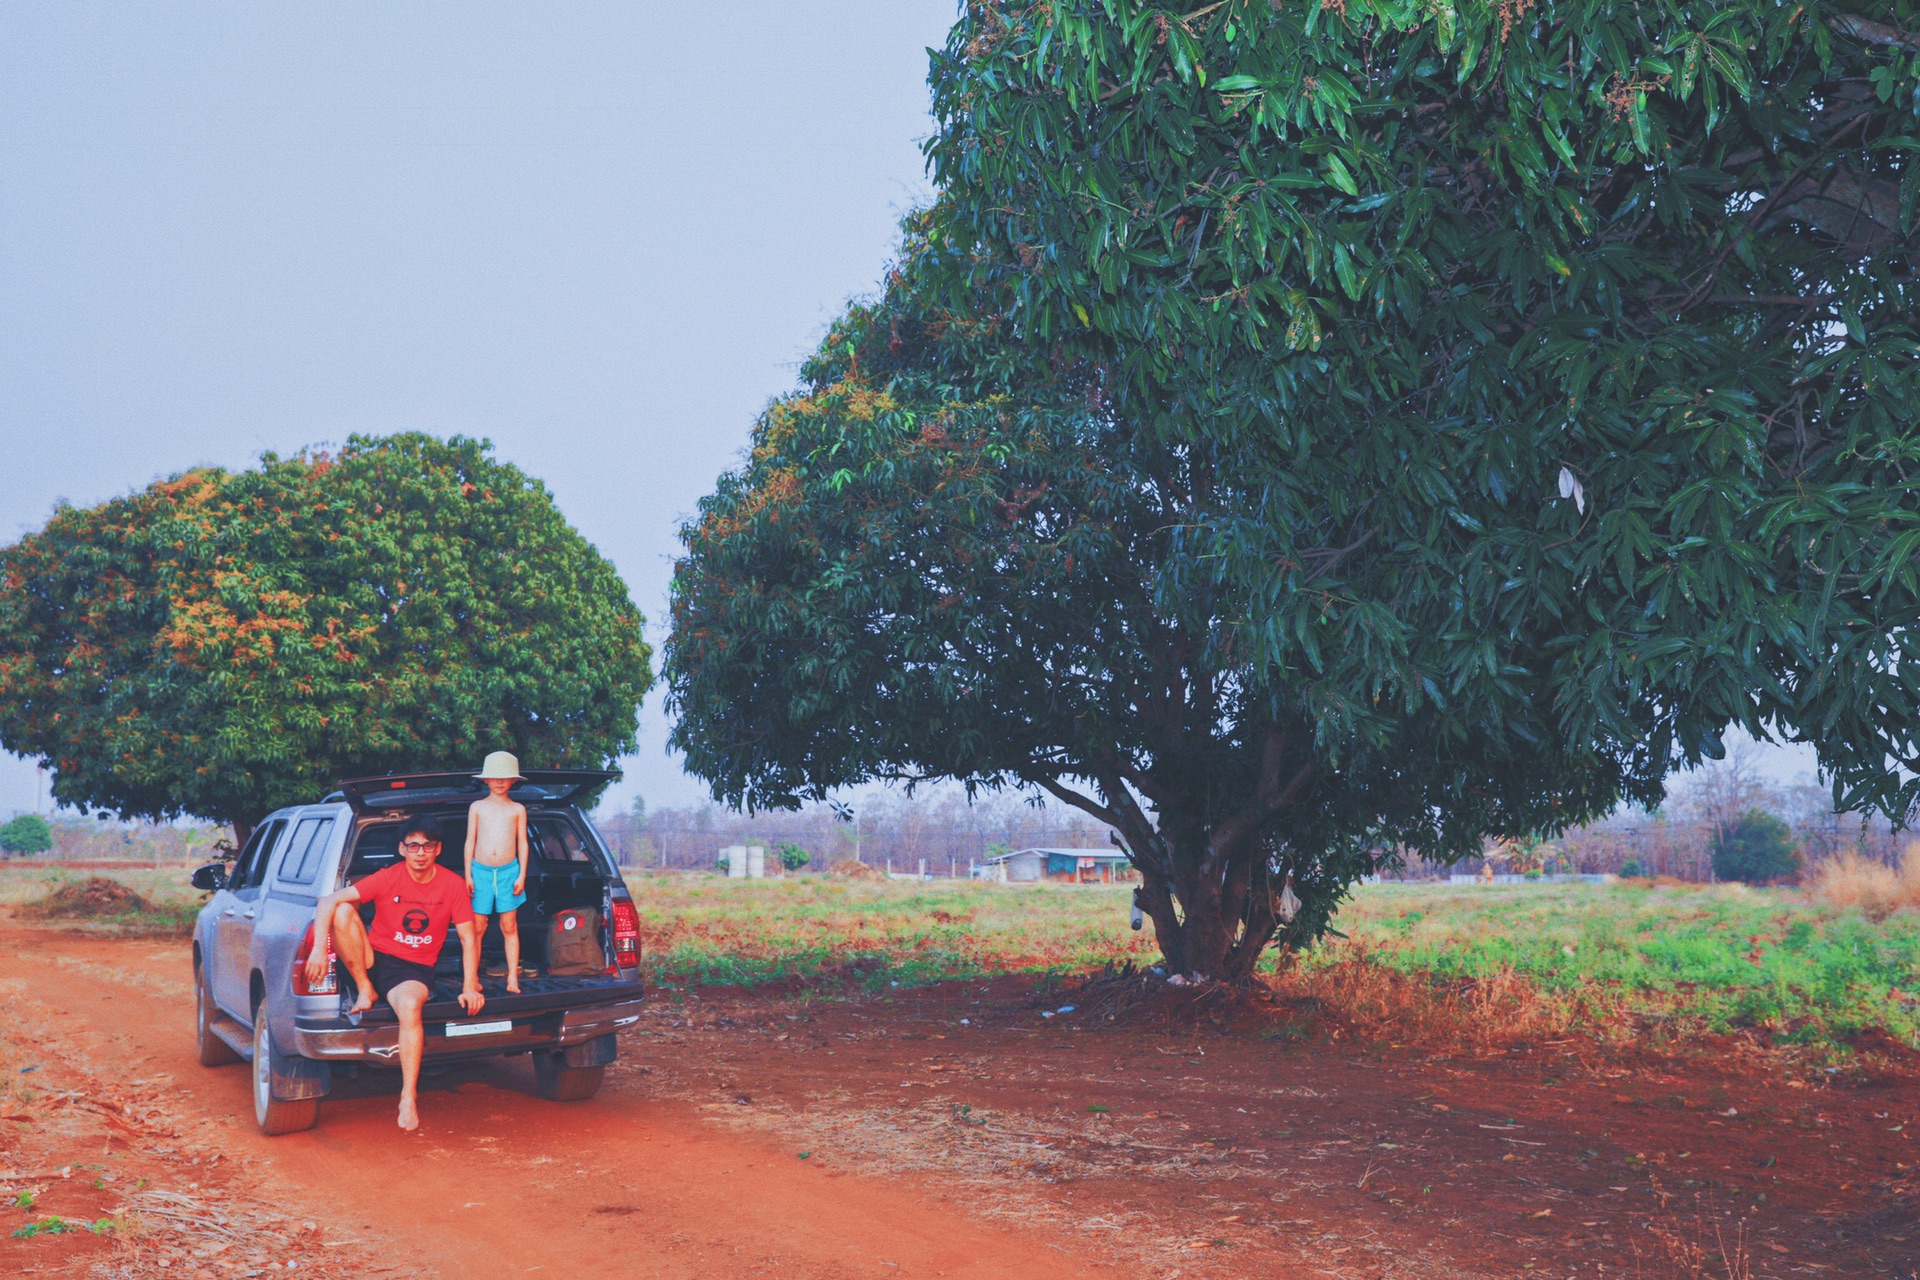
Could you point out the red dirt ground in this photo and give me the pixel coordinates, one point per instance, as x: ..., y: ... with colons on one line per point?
x: 957, y: 1132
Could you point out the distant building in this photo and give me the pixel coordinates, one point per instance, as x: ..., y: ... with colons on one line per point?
x: 1070, y: 866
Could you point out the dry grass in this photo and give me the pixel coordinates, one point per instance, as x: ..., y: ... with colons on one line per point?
x: 1485, y: 1014
x: 1851, y: 882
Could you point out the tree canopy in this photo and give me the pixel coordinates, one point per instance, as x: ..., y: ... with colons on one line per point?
x: 27, y: 833
x: 223, y: 643
x: 1585, y: 317
x: 1299, y: 432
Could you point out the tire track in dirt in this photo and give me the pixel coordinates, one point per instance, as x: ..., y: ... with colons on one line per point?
x: 501, y: 1183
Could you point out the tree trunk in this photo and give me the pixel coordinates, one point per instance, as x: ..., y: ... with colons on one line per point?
x: 1209, y: 886
x: 242, y: 832
x: 1219, y: 928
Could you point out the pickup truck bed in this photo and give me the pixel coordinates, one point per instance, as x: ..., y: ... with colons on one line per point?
x: 564, y: 1013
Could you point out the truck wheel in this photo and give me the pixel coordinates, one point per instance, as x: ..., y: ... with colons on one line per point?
x: 275, y: 1116
x: 559, y: 1082
x: 214, y: 1052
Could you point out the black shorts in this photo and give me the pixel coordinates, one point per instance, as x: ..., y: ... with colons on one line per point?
x: 389, y: 972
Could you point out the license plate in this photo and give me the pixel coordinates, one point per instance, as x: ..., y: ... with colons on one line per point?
x: 478, y: 1028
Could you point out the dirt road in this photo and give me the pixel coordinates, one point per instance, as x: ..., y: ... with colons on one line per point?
x: 499, y: 1183
x: 962, y: 1132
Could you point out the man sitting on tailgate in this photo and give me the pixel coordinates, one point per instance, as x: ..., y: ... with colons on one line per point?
x: 414, y: 901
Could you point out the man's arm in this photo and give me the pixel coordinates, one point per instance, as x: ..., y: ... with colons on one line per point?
x: 470, y: 998
x: 323, y: 929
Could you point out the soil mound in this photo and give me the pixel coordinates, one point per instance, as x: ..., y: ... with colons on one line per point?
x: 1128, y: 996
x: 849, y: 869
x: 95, y: 898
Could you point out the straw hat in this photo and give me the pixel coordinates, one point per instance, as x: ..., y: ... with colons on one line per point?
x: 501, y: 764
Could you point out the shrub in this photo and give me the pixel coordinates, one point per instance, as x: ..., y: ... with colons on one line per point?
x: 1631, y: 869
x: 1755, y: 848
x: 28, y: 833
x: 792, y: 856
x: 1870, y: 887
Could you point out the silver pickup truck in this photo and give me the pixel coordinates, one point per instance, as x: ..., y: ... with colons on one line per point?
x: 252, y: 1000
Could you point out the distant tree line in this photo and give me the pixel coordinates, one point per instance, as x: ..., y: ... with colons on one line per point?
x: 85, y: 837
x: 1725, y: 805
x: 937, y: 825
x: 1725, y: 802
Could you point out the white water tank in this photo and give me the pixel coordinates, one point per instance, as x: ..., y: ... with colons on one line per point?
x: 736, y: 859
x: 756, y: 862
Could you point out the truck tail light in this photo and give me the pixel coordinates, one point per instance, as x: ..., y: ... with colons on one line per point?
x: 626, y: 935
x: 329, y: 984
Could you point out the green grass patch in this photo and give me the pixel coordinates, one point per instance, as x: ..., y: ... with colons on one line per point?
x: 1725, y: 957
x: 820, y: 931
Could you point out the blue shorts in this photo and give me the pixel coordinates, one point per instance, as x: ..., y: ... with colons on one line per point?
x: 493, y: 889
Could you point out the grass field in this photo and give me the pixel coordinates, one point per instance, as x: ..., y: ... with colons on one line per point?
x: 1723, y: 957
x: 1624, y: 960
x: 1419, y: 961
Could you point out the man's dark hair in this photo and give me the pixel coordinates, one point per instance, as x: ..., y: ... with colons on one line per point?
x: 424, y: 825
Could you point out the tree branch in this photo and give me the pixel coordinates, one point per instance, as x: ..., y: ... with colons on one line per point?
x: 1067, y: 795
x: 1867, y: 31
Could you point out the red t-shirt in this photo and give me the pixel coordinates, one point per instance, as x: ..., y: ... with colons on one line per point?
x: 410, y: 919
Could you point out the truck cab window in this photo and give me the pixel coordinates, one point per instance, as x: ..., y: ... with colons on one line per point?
x: 250, y: 868
x: 553, y: 839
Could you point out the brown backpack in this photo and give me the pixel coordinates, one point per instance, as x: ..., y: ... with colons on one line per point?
x: 573, y: 943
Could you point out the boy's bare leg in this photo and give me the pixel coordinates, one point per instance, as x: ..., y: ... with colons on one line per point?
x: 355, y: 949
x: 510, y: 934
x: 479, y: 934
x: 408, y: 1000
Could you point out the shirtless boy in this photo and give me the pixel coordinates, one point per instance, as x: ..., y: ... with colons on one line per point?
x: 497, y: 858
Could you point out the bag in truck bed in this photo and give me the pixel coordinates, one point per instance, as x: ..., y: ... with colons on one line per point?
x: 573, y: 943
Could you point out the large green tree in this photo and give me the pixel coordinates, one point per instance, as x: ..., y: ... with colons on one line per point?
x: 926, y: 572
x: 1299, y: 429
x: 223, y: 643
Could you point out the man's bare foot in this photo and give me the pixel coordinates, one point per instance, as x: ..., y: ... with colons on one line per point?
x: 409, y: 1113
x: 365, y: 1000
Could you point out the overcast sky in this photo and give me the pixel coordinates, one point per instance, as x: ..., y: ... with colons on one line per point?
x: 600, y: 235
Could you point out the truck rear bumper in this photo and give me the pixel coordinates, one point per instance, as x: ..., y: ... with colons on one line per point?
x: 335, y: 1039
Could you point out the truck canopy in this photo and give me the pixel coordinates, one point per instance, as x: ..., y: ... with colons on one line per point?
x: 395, y: 791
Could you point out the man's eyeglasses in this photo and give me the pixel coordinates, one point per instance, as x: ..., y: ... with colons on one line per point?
x: 415, y: 846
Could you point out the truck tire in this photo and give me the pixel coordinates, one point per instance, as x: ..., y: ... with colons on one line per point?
x: 559, y: 1082
x: 275, y: 1116
x: 213, y: 1051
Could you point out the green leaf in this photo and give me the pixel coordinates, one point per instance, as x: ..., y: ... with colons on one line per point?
x: 1337, y: 174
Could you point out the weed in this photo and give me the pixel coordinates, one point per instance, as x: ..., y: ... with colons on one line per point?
x: 1872, y: 888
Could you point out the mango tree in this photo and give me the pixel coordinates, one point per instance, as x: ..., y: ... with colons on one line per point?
x: 1300, y: 431
x: 223, y: 643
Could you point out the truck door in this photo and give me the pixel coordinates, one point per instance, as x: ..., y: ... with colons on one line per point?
x: 238, y: 911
